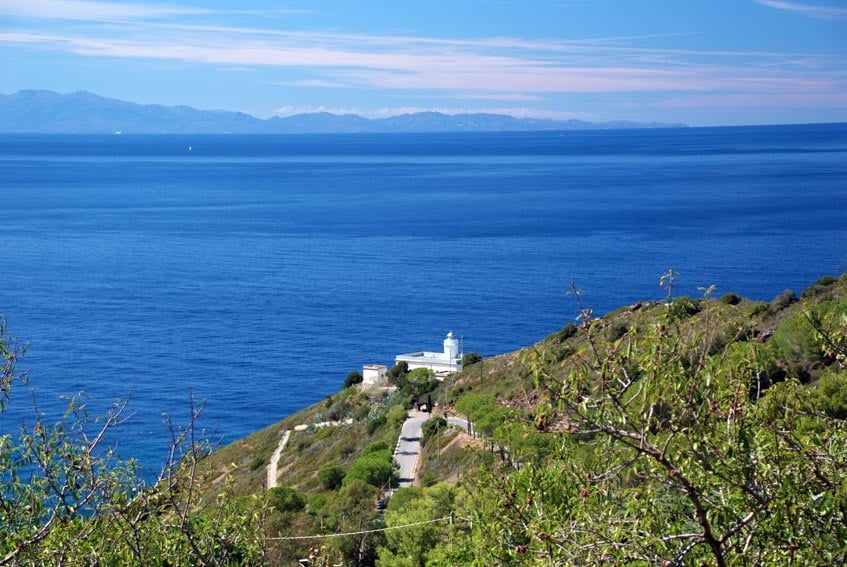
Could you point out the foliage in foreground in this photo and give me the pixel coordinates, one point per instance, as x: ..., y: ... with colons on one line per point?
x: 670, y: 455
x: 65, y: 498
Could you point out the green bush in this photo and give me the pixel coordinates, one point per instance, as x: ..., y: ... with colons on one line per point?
x: 795, y: 344
x: 317, y: 503
x: 471, y: 358
x: 566, y: 332
x: 616, y: 331
x: 831, y: 395
x: 353, y: 378
x: 331, y: 476
x: 730, y: 299
x: 375, y: 424
x: 257, y: 463
x: 432, y: 427
x: 287, y: 500
x: 375, y: 447
x: 347, y: 448
x: 376, y: 469
x: 684, y: 307
x: 783, y: 300
x: 819, y: 287
x: 397, y: 375
x: 422, y: 381
x: 397, y: 414
x: 759, y: 308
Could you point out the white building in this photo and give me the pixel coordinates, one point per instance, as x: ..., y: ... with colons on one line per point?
x: 374, y: 375
x: 442, y: 363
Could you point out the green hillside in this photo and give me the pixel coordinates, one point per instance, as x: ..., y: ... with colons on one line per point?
x: 685, y: 431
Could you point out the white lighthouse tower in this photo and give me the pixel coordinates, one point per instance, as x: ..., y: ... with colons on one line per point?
x: 442, y: 363
x: 451, y: 347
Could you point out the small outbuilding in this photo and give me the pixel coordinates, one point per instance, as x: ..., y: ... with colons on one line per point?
x: 374, y: 375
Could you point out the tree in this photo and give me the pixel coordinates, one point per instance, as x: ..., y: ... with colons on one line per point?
x: 421, y: 381
x: 353, y: 510
x: 397, y: 374
x: 432, y: 427
x: 667, y: 458
x: 353, y: 378
x: 287, y: 500
x: 411, y: 545
x: 67, y: 498
x: 376, y: 468
x: 331, y: 476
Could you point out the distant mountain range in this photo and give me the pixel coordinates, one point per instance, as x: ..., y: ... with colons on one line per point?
x: 40, y: 111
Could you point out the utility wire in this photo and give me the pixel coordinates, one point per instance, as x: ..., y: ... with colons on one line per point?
x: 363, y: 531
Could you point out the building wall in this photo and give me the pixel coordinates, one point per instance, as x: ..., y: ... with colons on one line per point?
x: 374, y: 374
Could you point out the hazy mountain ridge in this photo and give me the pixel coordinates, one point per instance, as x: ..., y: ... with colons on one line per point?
x: 82, y: 112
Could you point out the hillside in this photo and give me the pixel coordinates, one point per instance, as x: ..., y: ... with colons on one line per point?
x: 40, y: 111
x: 529, y: 408
x: 683, y: 431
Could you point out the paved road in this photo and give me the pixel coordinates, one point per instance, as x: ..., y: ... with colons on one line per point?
x: 409, y: 447
x: 458, y: 422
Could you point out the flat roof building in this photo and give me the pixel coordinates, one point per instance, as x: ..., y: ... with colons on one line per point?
x: 442, y: 363
x: 374, y: 375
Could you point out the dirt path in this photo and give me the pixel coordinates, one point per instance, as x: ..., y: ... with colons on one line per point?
x: 274, y: 464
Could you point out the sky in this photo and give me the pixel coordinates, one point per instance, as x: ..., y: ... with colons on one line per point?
x: 700, y: 62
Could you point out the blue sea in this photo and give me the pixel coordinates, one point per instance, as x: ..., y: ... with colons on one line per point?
x: 255, y: 272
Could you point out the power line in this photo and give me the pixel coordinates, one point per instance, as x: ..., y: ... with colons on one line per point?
x: 363, y: 531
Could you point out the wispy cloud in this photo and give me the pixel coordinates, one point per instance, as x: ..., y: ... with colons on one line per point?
x: 92, y: 11
x: 320, y: 83
x: 820, y: 12
x: 758, y: 101
x: 86, y: 10
x: 471, y: 95
x: 481, y: 69
x: 437, y: 69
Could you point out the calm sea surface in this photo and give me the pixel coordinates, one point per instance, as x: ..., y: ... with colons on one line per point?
x: 256, y: 271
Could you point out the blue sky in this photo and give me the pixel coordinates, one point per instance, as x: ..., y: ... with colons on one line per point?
x: 703, y: 62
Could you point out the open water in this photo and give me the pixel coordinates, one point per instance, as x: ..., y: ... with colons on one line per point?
x: 255, y: 272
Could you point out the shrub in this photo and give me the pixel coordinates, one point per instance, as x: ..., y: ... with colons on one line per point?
x: 616, y: 331
x: 317, y: 503
x: 422, y: 381
x: 471, y: 358
x: 759, y: 308
x: 376, y: 469
x: 375, y: 424
x: 684, y: 307
x: 431, y: 427
x: 347, y: 448
x: 353, y: 378
x: 783, y: 300
x: 287, y: 500
x: 257, y: 463
x: 375, y: 447
x: 831, y: 395
x: 398, y: 373
x: 362, y: 412
x: 794, y: 343
x: 819, y: 287
x: 331, y: 476
x: 730, y: 299
x: 397, y: 414
x: 566, y: 332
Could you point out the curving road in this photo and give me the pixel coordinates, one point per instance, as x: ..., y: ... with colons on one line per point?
x: 409, y: 447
